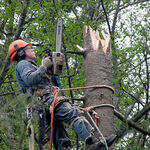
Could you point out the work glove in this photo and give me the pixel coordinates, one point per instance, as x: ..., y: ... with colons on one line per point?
x: 46, y: 62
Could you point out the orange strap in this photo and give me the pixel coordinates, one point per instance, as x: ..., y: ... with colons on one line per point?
x: 87, y: 87
x: 57, y: 90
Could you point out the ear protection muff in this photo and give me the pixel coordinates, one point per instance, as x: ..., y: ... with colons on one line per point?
x: 20, y: 52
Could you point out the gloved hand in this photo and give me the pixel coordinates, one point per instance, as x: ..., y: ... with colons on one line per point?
x: 46, y: 62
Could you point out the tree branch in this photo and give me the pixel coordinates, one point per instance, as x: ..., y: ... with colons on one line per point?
x: 130, y: 123
x: 75, y: 52
x: 137, y: 100
x: 141, y: 113
x: 115, y: 18
x: 7, y: 94
x: 107, y: 20
x: 21, y: 22
x: 131, y: 4
x: 17, y: 35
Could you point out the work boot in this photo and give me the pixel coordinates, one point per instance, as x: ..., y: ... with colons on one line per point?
x: 66, y: 145
x: 94, y: 144
x: 110, y: 139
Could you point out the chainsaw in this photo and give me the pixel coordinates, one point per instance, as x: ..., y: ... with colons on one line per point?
x: 57, y: 57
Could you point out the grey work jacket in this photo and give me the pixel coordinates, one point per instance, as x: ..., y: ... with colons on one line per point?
x: 29, y: 76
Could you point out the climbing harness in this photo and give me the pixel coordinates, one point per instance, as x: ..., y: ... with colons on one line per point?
x: 57, y: 90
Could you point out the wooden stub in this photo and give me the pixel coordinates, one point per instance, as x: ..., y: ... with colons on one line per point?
x: 98, y: 71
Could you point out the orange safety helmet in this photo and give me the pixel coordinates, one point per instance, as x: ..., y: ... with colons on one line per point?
x: 15, y: 46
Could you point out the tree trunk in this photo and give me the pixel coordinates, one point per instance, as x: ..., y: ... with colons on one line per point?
x: 98, y: 71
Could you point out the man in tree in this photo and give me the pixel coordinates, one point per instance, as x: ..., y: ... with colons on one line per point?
x: 33, y: 79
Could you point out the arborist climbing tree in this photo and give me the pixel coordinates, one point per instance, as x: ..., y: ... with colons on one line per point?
x: 34, y: 81
x: 35, y: 21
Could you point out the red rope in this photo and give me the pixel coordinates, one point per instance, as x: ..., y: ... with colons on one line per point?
x: 87, y: 87
x: 57, y: 90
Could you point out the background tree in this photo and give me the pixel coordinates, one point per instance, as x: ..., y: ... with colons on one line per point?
x: 35, y: 21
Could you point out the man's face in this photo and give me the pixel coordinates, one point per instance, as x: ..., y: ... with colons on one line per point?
x: 30, y: 54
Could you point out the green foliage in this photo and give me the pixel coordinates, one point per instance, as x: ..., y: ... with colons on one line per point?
x: 13, y: 114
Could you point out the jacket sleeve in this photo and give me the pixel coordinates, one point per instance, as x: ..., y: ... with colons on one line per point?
x: 29, y: 74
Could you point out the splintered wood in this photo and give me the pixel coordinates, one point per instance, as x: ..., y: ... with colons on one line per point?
x: 95, y: 40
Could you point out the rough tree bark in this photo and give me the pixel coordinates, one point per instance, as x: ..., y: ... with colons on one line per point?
x: 98, y: 71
